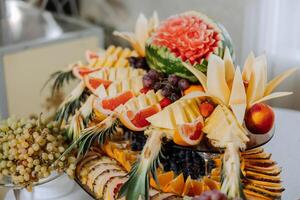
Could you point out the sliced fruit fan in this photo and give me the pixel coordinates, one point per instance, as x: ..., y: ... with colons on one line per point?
x: 140, y: 118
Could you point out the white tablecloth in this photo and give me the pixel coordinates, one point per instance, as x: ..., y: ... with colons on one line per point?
x: 285, y: 149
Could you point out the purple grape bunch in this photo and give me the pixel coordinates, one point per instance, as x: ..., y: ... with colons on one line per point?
x: 171, y: 86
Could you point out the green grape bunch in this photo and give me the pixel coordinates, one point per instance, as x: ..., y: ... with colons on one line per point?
x: 30, y: 148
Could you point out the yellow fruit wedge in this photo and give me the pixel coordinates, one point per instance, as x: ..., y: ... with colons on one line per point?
x: 222, y: 128
x: 271, y: 96
x: 277, y: 80
x: 142, y: 101
x: 257, y: 83
x: 163, y: 119
x: 151, y: 98
x: 179, y: 114
x: 112, y: 74
x: 216, y: 82
x: 229, y: 67
x: 238, y: 98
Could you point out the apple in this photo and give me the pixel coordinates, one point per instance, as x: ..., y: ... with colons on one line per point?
x: 259, y: 118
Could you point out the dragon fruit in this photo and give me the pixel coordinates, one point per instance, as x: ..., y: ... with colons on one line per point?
x: 189, y: 37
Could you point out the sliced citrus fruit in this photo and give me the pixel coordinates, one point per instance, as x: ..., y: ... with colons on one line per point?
x: 104, y: 107
x: 138, y: 121
x: 114, y: 102
x: 211, y: 184
x: 163, y: 179
x: 93, y: 83
x: 197, y: 187
x: 189, y: 134
x: 187, y: 190
x: 82, y: 71
x: 193, y: 88
x: 176, y: 185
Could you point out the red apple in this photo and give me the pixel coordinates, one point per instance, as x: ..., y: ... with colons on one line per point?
x: 259, y: 118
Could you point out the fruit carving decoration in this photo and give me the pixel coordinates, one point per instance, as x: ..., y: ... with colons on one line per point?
x: 186, y: 38
x: 225, y: 87
x: 192, y: 91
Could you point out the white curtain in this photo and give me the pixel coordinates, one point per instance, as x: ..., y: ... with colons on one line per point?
x: 273, y: 27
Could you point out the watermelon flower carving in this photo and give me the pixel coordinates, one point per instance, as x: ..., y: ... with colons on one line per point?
x: 190, y: 37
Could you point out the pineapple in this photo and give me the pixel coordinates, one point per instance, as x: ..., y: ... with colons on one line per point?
x: 231, y: 173
x: 137, y: 185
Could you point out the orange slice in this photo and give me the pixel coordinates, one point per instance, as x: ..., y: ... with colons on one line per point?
x: 189, y: 134
x: 163, y: 180
x: 193, y: 88
x: 187, y: 190
x: 104, y: 107
x: 82, y: 71
x: 93, y: 83
x: 176, y: 185
x: 197, y: 187
x: 211, y: 184
x: 138, y: 121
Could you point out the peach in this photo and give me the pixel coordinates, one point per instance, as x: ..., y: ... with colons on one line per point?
x: 259, y: 118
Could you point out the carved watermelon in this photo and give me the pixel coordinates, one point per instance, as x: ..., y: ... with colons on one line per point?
x: 189, y: 37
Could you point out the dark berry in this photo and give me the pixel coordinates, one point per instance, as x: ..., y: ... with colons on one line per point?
x: 183, y: 84
x: 153, y: 74
x: 167, y: 90
x: 173, y: 79
x: 174, y: 97
x: 147, y: 81
x: 157, y: 85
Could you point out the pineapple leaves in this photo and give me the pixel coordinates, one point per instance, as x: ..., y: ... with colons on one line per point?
x: 137, y: 186
x: 59, y: 78
x: 99, y: 132
x: 71, y: 104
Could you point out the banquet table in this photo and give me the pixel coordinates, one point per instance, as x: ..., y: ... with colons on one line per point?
x: 285, y: 149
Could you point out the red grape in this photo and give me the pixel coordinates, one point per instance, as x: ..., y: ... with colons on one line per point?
x: 173, y: 79
x: 183, y: 84
x: 147, y: 81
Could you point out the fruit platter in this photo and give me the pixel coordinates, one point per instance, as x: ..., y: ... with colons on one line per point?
x: 170, y: 117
